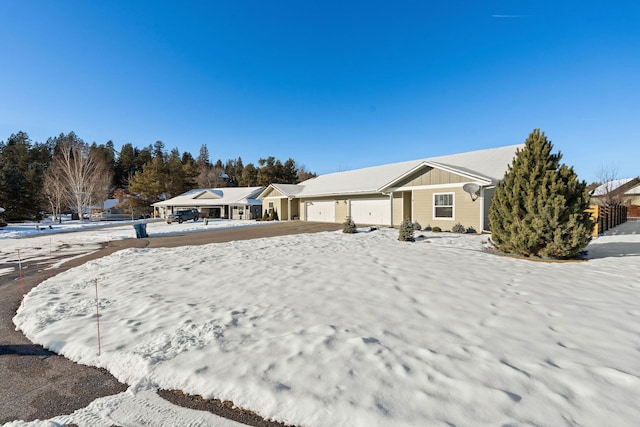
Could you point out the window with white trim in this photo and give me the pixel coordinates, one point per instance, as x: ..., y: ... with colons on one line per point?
x: 443, y: 206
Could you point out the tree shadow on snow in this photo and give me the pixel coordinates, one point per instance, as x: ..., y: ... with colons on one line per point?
x: 613, y: 249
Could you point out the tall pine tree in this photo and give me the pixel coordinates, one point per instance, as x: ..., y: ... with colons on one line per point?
x: 539, y: 207
x: 21, y: 171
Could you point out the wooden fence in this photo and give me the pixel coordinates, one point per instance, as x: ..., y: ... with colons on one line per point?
x: 607, y: 217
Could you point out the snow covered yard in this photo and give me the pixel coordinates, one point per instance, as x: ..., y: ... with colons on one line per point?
x: 38, y: 242
x: 359, y: 330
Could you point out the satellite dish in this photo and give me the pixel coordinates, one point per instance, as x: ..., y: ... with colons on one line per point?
x: 473, y: 189
x: 1, y: 210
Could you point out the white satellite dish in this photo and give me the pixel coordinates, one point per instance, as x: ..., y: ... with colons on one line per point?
x: 473, y: 189
x: 1, y: 209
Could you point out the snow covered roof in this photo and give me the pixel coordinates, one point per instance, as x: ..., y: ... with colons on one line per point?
x: 634, y: 191
x: 613, y: 185
x: 486, y: 166
x: 215, y: 197
x: 288, y: 189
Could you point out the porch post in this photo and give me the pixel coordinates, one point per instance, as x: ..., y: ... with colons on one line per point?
x: 481, y: 209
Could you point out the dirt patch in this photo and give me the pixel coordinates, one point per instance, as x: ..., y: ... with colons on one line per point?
x: 225, y: 409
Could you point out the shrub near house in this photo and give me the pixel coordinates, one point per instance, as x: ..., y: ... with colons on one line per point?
x: 539, y: 207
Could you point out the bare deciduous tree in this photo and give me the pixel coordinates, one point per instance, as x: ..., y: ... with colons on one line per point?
x: 606, y: 192
x: 85, y: 174
x: 55, y: 189
x: 211, y: 177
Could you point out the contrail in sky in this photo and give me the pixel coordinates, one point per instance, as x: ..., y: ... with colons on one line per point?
x: 508, y: 16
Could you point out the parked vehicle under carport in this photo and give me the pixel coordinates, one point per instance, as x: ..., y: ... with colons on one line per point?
x: 184, y: 215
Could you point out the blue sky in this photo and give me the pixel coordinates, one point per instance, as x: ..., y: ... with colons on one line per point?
x: 335, y: 85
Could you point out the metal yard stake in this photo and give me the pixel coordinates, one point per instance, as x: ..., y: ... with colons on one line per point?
x: 20, y: 268
x: 97, y: 315
x: 50, y: 259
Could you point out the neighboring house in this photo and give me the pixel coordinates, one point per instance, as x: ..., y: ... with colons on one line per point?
x: 429, y: 191
x: 228, y: 202
x: 111, y: 211
x: 620, y: 191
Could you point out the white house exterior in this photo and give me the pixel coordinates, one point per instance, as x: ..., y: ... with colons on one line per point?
x: 227, y: 203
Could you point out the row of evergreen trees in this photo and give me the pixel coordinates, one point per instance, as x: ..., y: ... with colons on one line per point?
x: 145, y: 174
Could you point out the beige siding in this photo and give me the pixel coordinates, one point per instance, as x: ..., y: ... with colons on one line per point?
x: 272, y: 192
x: 281, y: 206
x: 401, y: 207
x: 407, y: 205
x: 431, y: 176
x: 342, y: 207
x: 266, y: 201
x: 465, y: 211
x: 398, y: 208
x: 295, y: 209
x: 283, y: 209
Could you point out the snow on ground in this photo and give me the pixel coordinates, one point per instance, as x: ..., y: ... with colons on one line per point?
x: 361, y: 330
x: 38, y: 242
x: 144, y: 408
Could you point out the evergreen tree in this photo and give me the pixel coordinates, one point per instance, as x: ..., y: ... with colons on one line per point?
x: 539, y: 207
x: 203, y: 160
x: 158, y: 150
x: 125, y: 165
x: 189, y: 169
x: 406, y: 231
x: 290, y: 172
x: 249, y: 176
x: 22, y: 169
x: 348, y: 226
x: 143, y: 156
x: 303, y: 174
x: 179, y: 177
x: 148, y: 186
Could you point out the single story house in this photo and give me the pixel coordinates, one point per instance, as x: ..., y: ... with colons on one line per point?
x: 228, y: 202
x: 436, y: 191
x: 624, y: 191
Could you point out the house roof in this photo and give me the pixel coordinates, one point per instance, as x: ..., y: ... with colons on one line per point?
x: 215, y: 197
x: 288, y: 190
x: 627, y: 186
x: 486, y: 166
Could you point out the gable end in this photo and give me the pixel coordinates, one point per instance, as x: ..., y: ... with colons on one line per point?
x: 430, y: 176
